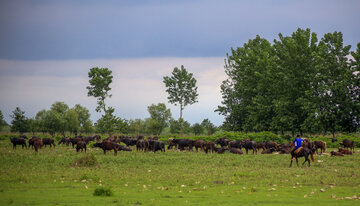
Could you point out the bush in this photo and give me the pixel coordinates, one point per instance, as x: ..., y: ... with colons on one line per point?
x: 103, y: 191
x: 86, y: 161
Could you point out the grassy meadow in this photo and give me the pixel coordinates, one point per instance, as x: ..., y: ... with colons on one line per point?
x: 59, y: 177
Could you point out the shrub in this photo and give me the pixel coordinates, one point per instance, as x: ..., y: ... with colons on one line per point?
x: 86, y: 161
x: 103, y: 191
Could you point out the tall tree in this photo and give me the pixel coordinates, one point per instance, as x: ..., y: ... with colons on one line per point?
x: 210, y: 127
x: 100, y: 80
x: 2, y: 121
x: 85, y: 123
x: 197, y: 128
x: 20, y: 122
x: 160, y: 117
x: 182, y: 89
x: 59, y: 121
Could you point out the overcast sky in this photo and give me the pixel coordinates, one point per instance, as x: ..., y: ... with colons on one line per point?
x: 47, y: 47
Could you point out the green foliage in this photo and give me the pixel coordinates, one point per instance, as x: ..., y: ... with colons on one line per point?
x: 103, y: 191
x: 177, y: 125
x: 210, y: 127
x: 3, y: 123
x: 159, y: 118
x: 86, y: 161
x: 197, y: 129
x: 100, y: 80
x: 297, y: 84
x: 182, y: 89
x: 19, y: 123
x: 137, y: 126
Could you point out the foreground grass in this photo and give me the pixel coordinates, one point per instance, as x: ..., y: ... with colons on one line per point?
x: 173, y: 178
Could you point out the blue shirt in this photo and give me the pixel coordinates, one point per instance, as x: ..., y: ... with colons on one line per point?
x: 298, y: 142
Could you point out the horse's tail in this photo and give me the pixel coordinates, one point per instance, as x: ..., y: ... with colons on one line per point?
x: 312, y: 157
x: 324, y: 146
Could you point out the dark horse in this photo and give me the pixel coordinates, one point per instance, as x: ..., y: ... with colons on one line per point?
x: 308, y: 149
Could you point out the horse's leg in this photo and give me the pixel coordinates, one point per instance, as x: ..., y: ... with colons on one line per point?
x: 297, y: 161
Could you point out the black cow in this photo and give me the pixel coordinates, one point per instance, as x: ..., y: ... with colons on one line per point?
x: 184, y: 143
x: 124, y: 148
x: 107, y: 145
x: 48, y: 141
x: 18, y: 141
x: 235, y: 151
x: 128, y: 141
x: 236, y: 144
x: 64, y: 140
x: 223, y: 142
x: 346, y: 143
x: 250, y: 145
x: 157, y: 145
x: 80, y: 145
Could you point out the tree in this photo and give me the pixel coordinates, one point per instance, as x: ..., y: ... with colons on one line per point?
x: 20, y: 122
x: 210, y: 127
x: 100, y: 80
x: 72, y: 121
x: 197, y: 128
x: 179, y: 127
x: 85, y: 124
x: 137, y: 126
x: 160, y: 117
x: 181, y: 88
x: 57, y: 118
x: 3, y: 123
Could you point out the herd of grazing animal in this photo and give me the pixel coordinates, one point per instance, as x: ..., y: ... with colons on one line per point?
x: 153, y: 144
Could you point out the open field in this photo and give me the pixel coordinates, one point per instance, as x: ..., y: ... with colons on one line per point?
x: 50, y: 177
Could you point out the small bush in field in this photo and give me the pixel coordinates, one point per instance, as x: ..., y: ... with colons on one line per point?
x: 103, y: 191
x: 86, y: 161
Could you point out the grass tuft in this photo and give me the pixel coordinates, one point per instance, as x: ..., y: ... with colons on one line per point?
x: 86, y: 161
x: 103, y: 191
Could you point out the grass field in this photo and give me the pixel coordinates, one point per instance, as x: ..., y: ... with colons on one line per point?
x: 51, y: 177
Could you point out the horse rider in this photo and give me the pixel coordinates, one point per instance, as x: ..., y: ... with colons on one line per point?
x: 297, y: 146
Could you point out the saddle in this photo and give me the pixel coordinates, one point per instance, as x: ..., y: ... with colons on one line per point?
x: 298, y: 150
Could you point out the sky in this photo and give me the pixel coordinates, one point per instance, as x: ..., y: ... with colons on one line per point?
x: 47, y: 47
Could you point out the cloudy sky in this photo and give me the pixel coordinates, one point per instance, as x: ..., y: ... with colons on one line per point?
x: 47, y: 47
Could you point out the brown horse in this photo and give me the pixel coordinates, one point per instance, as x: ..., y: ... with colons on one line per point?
x: 307, y: 149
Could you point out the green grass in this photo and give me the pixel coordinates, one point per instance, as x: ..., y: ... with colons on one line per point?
x: 50, y: 177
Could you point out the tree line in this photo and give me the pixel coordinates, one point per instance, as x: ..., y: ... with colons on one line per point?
x: 297, y: 83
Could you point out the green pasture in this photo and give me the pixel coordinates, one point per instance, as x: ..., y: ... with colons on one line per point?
x: 57, y: 177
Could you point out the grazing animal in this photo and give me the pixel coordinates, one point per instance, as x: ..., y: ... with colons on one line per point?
x: 346, y: 143
x: 334, y: 140
x: 107, y: 145
x: 260, y: 145
x: 249, y: 145
x: 157, y: 145
x: 269, y: 145
x: 223, y: 142
x: 75, y: 140
x: 220, y: 150
x: 320, y: 145
x: 48, y: 141
x: 64, y: 140
x: 129, y: 141
x: 171, y: 144
x: 199, y: 144
x: 344, y: 151
x: 80, y: 145
x: 236, y: 144
x: 124, y: 148
x: 268, y: 151
x: 18, y: 141
x: 235, y: 150
x: 32, y: 141
x: 184, y: 143
x: 38, y: 144
x: 209, y: 147
x: 306, y: 150
x: 333, y: 153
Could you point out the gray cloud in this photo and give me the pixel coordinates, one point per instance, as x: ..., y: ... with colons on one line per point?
x: 40, y: 30
x: 137, y: 83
